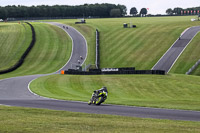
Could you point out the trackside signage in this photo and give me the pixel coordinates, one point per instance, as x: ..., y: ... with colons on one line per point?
x: 110, y: 70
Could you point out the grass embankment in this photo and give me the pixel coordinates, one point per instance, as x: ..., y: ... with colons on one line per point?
x: 51, y: 51
x: 14, y: 40
x: 171, y: 91
x: 188, y: 58
x: 143, y: 46
x: 140, y: 47
x: 23, y: 120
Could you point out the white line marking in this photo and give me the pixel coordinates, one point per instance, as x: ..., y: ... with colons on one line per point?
x: 48, y: 97
x: 85, y: 43
x: 164, y: 54
x: 72, y: 43
x: 170, y: 48
x: 5, y: 105
x: 72, y: 46
x: 63, y: 66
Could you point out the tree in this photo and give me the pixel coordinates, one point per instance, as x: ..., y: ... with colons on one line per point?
x: 115, y: 13
x: 3, y: 13
x: 181, y: 11
x: 143, y: 12
x: 133, y: 11
x: 169, y: 11
x: 86, y: 10
x: 123, y: 9
x: 177, y: 11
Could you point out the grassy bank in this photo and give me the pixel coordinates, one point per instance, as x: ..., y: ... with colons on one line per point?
x: 140, y: 47
x: 23, y: 120
x: 171, y: 91
x: 51, y: 51
x: 14, y: 40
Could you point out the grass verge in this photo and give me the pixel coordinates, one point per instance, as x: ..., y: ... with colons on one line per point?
x: 23, y: 120
x: 14, y: 40
x: 51, y: 51
x: 171, y: 91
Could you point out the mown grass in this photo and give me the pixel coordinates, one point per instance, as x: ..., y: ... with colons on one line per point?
x: 140, y: 47
x: 170, y: 91
x: 14, y: 40
x: 188, y: 58
x: 143, y: 46
x: 23, y: 120
x: 51, y: 51
x: 136, y: 47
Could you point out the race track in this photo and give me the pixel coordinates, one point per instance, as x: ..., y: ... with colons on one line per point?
x: 169, y: 58
x: 15, y: 92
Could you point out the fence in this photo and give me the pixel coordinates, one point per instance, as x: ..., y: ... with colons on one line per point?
x: 193, y: 67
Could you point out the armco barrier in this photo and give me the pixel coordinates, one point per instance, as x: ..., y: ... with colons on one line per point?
x: 21, y: 60
x: 193, y: 67
x: 99, y: 72
x: 97, y: 50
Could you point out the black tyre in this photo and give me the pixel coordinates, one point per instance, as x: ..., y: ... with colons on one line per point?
x: 89, y: 103
x: 100, y: 100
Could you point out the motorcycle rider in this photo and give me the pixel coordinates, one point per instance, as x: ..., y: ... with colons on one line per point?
x: 103, y: 92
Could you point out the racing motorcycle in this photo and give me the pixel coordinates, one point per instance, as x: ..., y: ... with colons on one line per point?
x: 98, y: 97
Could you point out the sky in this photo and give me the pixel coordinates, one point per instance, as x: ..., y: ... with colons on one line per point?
x: 155, y: 6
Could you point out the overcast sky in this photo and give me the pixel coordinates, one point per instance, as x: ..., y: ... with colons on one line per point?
x: 155, y: 6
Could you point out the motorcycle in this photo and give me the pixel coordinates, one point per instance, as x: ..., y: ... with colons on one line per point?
x: 97, y: 98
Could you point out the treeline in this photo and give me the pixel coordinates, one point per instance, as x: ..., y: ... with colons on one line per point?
x: 86, y: 10
x: 181, y: 11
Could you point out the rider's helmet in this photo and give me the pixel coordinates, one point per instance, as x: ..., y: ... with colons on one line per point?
x: 105, y: 89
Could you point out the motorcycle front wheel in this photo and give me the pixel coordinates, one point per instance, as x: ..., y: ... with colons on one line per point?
x: 89, y: 103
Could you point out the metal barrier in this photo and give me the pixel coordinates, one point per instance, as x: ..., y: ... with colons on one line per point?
x: 193, y: 67
x: 97, y: 50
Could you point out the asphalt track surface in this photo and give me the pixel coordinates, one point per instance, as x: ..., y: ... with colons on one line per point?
x: 15, y: 92
x: 170, y: 57
x: 79, y: 47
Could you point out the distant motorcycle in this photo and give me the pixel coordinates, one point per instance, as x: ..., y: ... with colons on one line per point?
x: 99, y: 96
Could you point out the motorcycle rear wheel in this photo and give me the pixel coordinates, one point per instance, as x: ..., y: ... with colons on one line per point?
x: 100, y: 100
